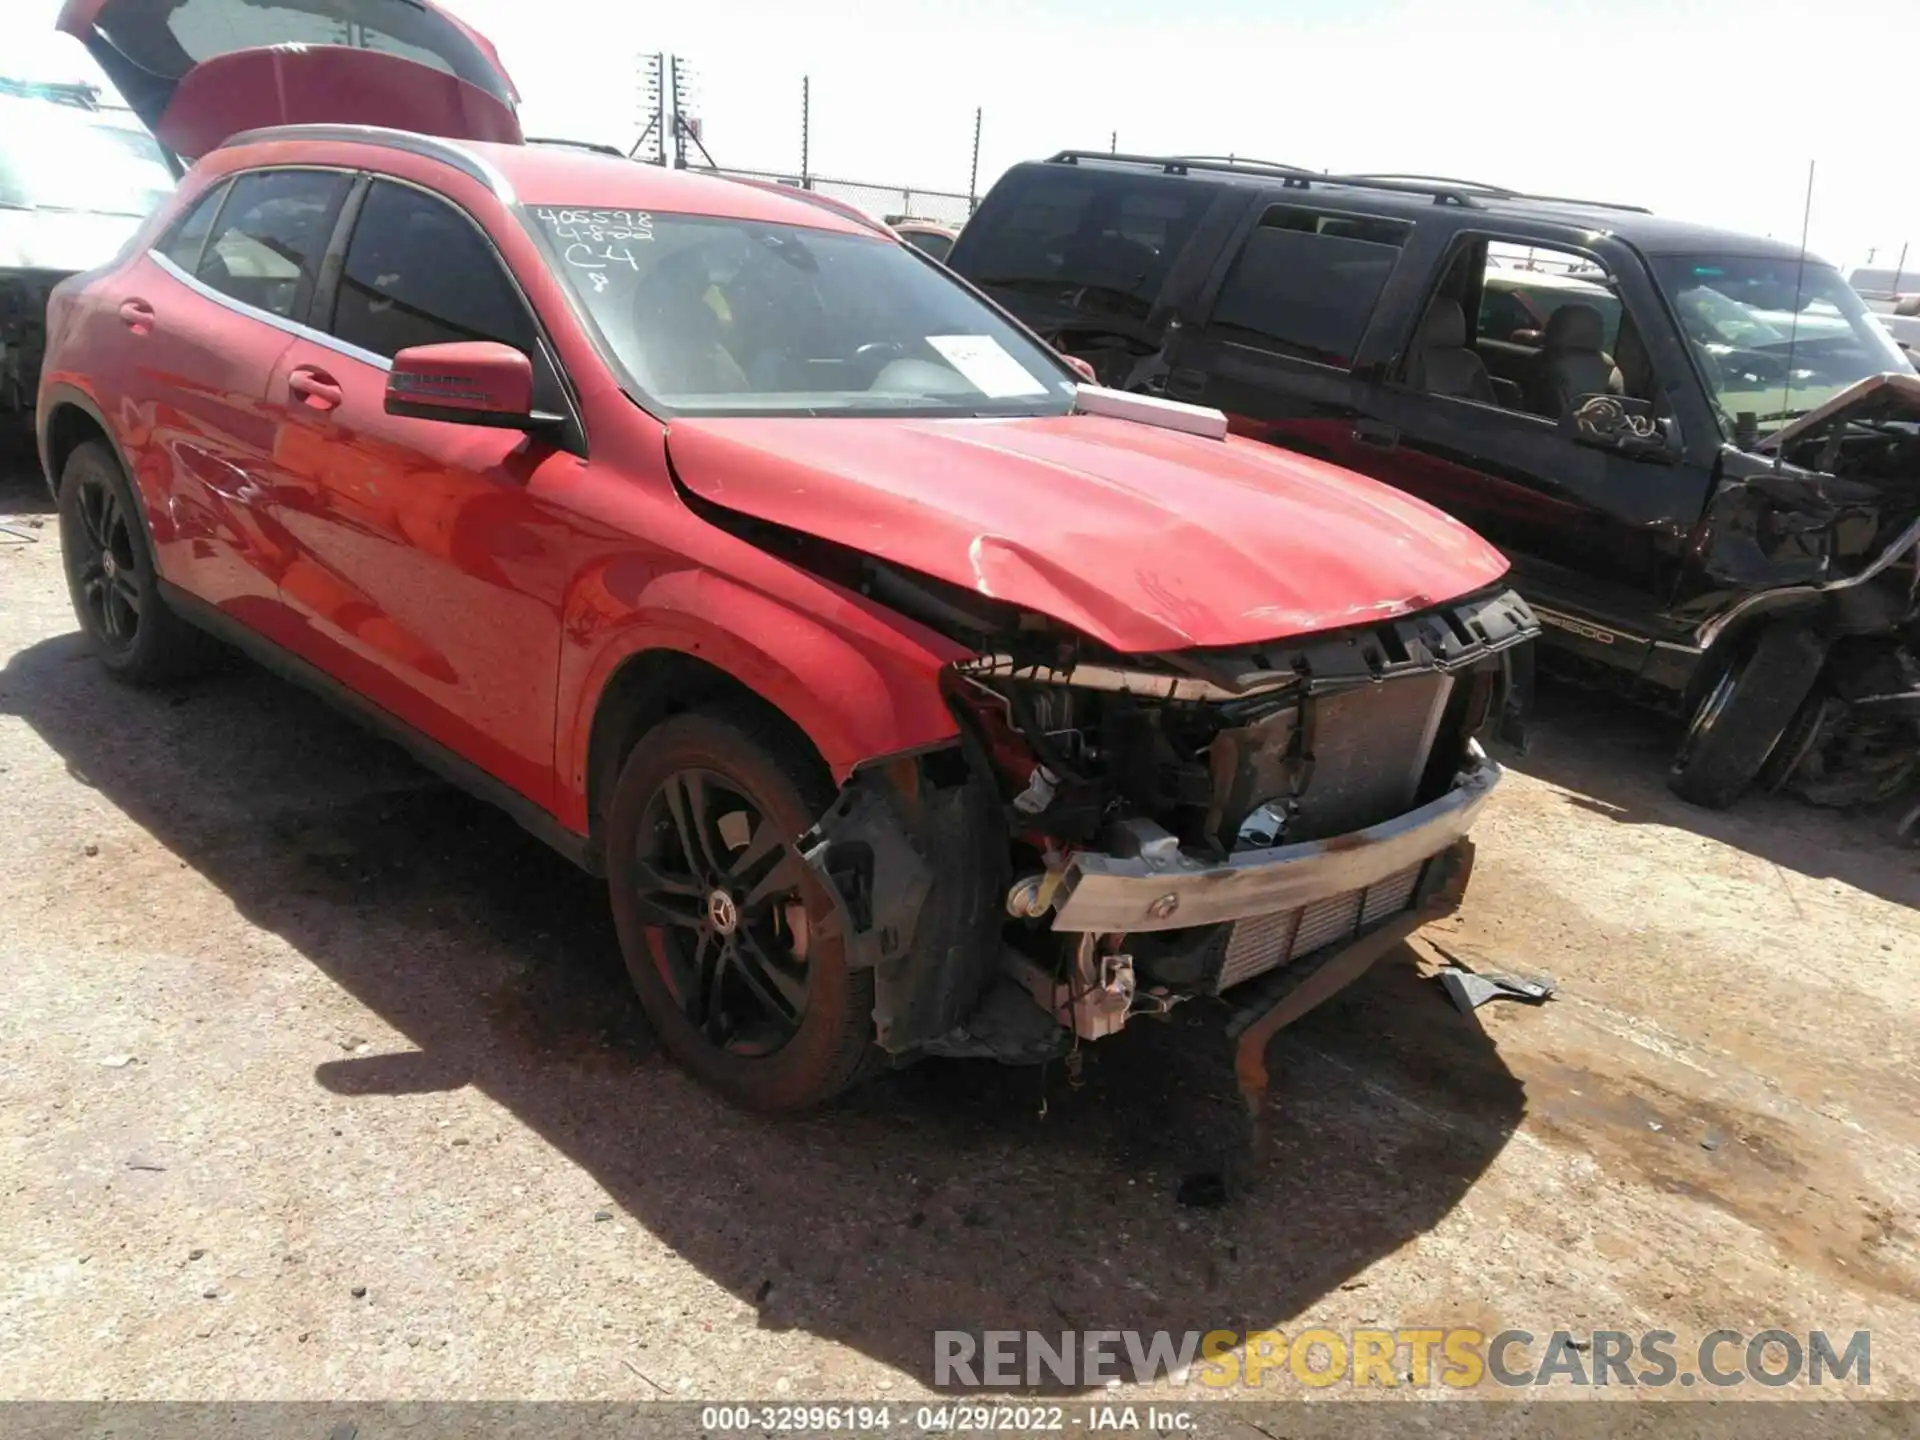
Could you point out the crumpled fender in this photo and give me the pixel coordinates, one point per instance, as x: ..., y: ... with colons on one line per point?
x: 859, y: 682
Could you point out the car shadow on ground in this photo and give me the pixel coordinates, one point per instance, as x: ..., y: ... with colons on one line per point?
x: 1612, y: 755
x: 941, y: 1197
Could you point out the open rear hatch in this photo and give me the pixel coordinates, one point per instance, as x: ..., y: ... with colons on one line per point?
x: 200, y: 71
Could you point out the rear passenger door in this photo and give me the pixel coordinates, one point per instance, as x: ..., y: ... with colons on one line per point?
x: 1281, y: 326
x: 429, y: 566
x: 206, y: 315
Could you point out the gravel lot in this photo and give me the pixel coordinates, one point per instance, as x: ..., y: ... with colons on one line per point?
x: 318, y: 1079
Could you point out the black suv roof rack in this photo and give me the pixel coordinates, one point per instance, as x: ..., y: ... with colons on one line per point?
x: 592, y: 145
x: 1444, y: 190
x: 1501, y: 192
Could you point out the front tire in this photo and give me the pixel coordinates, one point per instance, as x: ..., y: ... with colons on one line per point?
x: 111, y: 576
x: 1744, y: 714
x: 722, y: 925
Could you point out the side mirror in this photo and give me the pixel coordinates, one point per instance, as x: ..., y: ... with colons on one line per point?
x: 477, y: 382
x: 1622, y: 424
x: 1084, y: 369
x: 1527, y: 337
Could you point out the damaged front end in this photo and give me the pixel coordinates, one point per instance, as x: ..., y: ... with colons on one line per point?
x: 1826, y: 530
x: 1112, y: 835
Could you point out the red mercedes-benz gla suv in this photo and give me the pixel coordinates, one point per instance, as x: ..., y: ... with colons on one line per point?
x: 913, y: 697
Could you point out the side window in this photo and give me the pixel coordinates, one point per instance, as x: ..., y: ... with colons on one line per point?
x: 189, y: 235
x: 1306, y: 283
x: 931, y: 242
x: 1504, y: 316
x: 419, y: 272
x: 266, y: 248
x: 1550, y: 330
x: 1110, y: 238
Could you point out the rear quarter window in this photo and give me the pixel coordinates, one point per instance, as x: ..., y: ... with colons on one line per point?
x: 1306, y: 283
x: 1104, y: 239
x: 265, y: 249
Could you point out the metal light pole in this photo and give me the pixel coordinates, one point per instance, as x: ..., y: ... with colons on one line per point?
x: 973, y: 177
x: 806, y: 125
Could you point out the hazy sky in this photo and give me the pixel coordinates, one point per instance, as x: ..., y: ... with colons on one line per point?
x: 1709, y: 109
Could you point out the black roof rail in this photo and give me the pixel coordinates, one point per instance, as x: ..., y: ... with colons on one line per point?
x: 1502, y: 192
x: 1594, y: 204
x: 1452, y: 181
x: 1251, y: 160
x: 1444, y: 189
x: 593, y: 145
x: 1291, y: 177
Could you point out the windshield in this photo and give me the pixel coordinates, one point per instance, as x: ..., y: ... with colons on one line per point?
x: 738, y: 317
x: 1740, y: 317
x: 58, y: 157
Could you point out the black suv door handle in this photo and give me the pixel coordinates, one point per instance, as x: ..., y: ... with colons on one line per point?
x: 1186, y: 383
x: 1372, y: 432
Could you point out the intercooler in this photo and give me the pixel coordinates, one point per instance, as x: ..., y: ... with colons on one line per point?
x: 1370, y: 747
x: 1264, y: 942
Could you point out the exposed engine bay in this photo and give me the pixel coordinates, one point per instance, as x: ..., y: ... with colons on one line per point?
x: 1114, y: 834
x: 1856, y: 738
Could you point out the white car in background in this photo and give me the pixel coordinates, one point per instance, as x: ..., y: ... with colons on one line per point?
x: 1904, y: 325
x: 75, y: 182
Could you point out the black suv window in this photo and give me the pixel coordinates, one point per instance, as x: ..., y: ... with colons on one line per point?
x: 1109, y: 235
x: 189, y: 236
x: 265, y: 251
x: 1306, y: 283
x: 419, y: 272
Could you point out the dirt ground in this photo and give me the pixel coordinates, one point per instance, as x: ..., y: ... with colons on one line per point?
x: 319, y: 1079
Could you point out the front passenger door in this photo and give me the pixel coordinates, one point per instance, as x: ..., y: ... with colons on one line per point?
x: 430, y: 566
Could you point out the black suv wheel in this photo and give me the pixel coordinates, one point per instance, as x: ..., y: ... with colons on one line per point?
x: 1744, y: 714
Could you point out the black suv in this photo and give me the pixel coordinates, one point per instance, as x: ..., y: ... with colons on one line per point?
x: 1699, y: 449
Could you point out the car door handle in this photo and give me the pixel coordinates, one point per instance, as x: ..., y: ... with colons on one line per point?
x: 317, y: 389
x: 137, y: 316
x: 1372, y: 432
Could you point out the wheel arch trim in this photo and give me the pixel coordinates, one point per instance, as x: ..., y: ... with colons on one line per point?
x: 850, y: 702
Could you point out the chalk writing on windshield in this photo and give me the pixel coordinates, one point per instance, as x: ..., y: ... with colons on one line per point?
x: 597, y: 239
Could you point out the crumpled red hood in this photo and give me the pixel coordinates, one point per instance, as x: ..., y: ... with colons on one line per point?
x: 1141, y: 538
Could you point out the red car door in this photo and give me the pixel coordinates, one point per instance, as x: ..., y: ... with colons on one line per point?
x: 428, y: 567
x: 199, y: 324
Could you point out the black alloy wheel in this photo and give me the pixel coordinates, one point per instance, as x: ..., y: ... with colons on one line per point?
x: 112, y: 580
x: 102, y: 565
x: 731, y: 940
x: 718, y: 889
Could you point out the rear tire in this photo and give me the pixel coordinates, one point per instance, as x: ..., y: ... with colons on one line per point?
x: 721, y: 924
x: 112, y: 580
x: 1744, y: 715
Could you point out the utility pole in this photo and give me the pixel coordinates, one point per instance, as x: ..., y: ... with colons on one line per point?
x: 679, y: 125
x: 973, y: 177
x: 651, y: 147
x: 1899, y: 270
x: 806, y: 113
x: 1113, y: 143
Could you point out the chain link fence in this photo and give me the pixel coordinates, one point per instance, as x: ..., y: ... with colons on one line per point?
x: 883, y: 202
